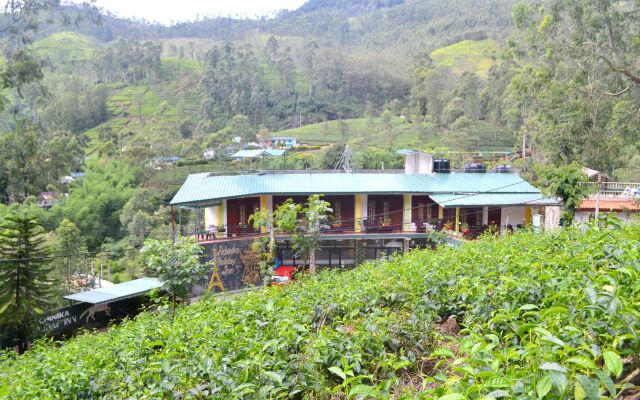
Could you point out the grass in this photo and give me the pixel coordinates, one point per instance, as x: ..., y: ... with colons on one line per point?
x: 172, y: 65
x: 398, y: 133
x: 69, y: 46
x: 148, y: 110
x: 467, y: 56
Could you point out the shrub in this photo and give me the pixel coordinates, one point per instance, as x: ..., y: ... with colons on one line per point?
x: 550, y: 316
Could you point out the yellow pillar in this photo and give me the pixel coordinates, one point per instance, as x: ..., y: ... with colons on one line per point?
x: 220, y: 210
x: 457, y: 219
x: 358, y: 213
x: 440, y: 212
x: 527, y: 215
x: 264, y: 206
x: 406, y: 213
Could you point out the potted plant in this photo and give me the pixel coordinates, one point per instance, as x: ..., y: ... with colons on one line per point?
x: 386, y: 222
x: 464, y: 227
x: 448, y: 225
x: 337, y: 224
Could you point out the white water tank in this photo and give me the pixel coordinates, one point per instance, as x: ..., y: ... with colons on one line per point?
x: 418, y: 163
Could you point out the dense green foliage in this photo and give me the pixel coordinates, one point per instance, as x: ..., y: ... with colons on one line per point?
x: 302, y: 222
x: 544, y: 316
x: 26, y: 287
x: 566, y: 183
x: 577, y: 88
x: 177, y: 264
x: 115, y: 100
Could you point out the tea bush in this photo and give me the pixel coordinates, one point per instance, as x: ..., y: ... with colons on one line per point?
x: 552, y: 316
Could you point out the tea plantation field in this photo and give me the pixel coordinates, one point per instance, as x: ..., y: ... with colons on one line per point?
x: 553, y: 316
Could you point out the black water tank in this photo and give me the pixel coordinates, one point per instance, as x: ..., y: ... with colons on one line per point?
x: 475, y: 167
x: 503, y: 169
x: 442, y: 166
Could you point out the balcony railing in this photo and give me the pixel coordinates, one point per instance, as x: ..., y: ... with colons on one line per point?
x: 368, y: 227
x: 614, y: 189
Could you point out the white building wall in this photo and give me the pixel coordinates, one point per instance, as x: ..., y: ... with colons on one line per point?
x: 364, y: 206
x: 551, y: 217
x: 583, y: 217
x: 512, y: 216
x: 211, y: 217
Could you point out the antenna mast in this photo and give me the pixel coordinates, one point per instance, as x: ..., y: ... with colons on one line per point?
x: 345, y: 163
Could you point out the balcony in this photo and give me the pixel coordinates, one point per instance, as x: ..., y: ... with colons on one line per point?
x: 370, y: 229
x: 614, y: 189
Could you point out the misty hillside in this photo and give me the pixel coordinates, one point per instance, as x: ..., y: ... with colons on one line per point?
x: 353, y: 7
x: 408, y: 25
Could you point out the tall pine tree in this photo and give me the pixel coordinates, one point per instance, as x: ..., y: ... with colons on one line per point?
x: 25, y: 283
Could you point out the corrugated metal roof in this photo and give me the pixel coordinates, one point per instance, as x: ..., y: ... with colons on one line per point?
x: 257, y: 153
x: 610, y: 205
x: 120, y: 291
x: 247, y: 153
x: 203, y: 188
x: 492, y: 199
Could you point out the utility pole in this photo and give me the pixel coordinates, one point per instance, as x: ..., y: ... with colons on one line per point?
x: 598, y: 197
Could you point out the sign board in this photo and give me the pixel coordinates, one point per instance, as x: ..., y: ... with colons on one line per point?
x: 233, y: 266
x: 67, y: 319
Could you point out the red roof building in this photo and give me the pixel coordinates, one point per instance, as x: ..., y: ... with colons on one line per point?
x: 611, y: 205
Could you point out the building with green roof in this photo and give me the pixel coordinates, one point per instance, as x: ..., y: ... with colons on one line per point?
x: 385, y: 209
x: 362, y: 200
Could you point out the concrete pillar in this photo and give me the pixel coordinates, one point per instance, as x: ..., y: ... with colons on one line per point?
x: 485, y: 215
x: 222, y: 216
x: 360, y: 210
x: 440, y: 212
x: 357, y: 213
x: 210, y: 217
x: 527, y: 216
x: 406, y: 213
x: 266, y: 204
x: 457, y: 219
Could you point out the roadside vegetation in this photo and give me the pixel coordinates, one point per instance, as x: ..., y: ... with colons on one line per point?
x: 529, y: 316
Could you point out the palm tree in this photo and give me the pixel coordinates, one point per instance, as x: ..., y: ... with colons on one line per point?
x: 25, y: 283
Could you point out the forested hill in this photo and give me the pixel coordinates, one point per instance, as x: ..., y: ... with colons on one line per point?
x: 408, y: 24
x: 460, y: 78
x: 352, y: 7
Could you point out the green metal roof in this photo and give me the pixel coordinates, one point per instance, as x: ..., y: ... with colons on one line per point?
x: 257, y: 153
x: 203, y: 189
x: 117, y: 292
x: 492, y: 199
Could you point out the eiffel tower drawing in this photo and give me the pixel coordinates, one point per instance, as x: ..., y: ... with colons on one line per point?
x: 215, y: 280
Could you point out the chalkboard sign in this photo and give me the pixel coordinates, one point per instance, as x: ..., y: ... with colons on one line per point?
x: 233, y: 266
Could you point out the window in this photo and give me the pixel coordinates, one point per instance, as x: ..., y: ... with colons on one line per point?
x: 421, y: 211
x: 337, y: 210
x: 385, y: 210
x: 372, y: 209
x: 243, y: 214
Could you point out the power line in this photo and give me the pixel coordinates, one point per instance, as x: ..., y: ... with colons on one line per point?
x: 84, y: 254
